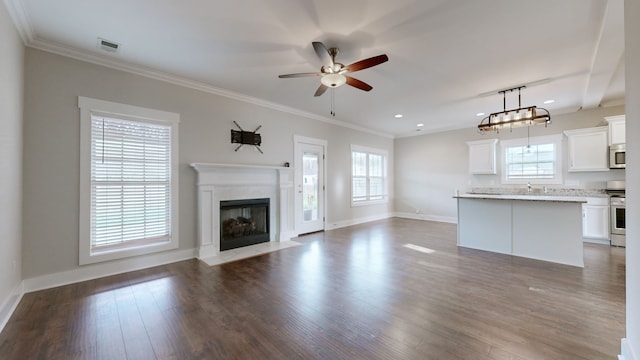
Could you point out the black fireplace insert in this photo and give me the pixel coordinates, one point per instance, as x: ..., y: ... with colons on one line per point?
x: 243, y: 223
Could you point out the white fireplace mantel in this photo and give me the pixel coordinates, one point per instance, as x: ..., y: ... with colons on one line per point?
x: 220, y: 182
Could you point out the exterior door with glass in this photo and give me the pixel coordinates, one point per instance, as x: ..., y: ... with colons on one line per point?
x: 309, y: 182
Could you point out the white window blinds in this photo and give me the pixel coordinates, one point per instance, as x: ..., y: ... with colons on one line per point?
x: 130, y: 183
x: 359, y: 176
x: 368, y: 176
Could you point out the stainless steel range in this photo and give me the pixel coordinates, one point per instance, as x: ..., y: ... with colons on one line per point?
x: 616, y: 190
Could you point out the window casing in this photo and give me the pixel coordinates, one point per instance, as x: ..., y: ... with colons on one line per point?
x: 368, y: 176
x: 537, y: 160
x: 128, y: 181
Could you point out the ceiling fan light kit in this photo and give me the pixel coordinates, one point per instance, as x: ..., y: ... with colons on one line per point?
x: 521, y: 116
x: 333, y: 80
x: 333, y: 74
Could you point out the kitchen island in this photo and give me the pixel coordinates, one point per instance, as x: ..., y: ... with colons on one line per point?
x: 540, y: 227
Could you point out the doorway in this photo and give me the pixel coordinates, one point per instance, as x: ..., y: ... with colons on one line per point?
x: 309, y: 184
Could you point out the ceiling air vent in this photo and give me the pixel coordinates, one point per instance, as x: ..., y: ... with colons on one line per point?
x: 107, y: 45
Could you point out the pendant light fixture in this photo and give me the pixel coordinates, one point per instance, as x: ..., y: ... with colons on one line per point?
x: 508, y: 119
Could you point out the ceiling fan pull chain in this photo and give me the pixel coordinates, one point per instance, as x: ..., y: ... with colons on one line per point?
x: 333, y: 102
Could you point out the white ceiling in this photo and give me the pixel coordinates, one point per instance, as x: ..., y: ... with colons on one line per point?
x: 447, y: 58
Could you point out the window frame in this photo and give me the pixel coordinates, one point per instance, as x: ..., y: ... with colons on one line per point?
x: 385, y: 176
x: 556, y: 140
x: 93, y: 107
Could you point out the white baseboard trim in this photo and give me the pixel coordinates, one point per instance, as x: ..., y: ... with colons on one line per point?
x: 596, y: 241
x: 10, y: 304
x: 287, y: 235
x: 436, y: 218
x: 98, y: 270
x: 345, y: 223
x: 626, y: 352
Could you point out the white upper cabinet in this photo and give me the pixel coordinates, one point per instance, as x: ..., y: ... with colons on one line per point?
x: 616, y: 129
x: 588, y: 149
x: 482, y: 156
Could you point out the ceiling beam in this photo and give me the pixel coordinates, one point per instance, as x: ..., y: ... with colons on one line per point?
x: 608, y: 54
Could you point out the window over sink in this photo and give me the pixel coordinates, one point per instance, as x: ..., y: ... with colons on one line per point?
x: 535, y: 160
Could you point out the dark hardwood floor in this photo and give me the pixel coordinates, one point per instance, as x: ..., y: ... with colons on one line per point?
x: 352, y: 293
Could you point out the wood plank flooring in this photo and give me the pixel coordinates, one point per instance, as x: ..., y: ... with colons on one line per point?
x: 352, y: 293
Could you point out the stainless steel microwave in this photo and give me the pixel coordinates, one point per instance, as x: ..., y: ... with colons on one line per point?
x: 617, y: 156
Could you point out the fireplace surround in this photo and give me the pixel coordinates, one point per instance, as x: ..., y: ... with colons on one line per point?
x: 233, y: 182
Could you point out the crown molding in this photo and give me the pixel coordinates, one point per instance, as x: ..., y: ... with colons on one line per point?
x: 118, y: 64
x: 20, y: 18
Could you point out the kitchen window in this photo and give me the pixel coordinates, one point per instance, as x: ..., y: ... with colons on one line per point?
x: 129, y: 181
x: 535, y: 160
x: 368, y: 176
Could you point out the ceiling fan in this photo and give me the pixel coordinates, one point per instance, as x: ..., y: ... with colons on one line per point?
x: 333, y: 73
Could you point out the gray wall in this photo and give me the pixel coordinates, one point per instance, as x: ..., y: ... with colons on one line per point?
x: 430, y: 168
x: 11, y: 70
x: 632, y: 80
x: 51, y: 157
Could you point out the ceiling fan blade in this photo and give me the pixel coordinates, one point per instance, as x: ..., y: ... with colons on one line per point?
x: 358, y: 84
x: 366, y: 63
x: 321, y: 90
x: 299, y: 75
x: 323, y: 53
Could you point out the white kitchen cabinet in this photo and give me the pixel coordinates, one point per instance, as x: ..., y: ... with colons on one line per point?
x: 588, y: 149
x: 482, y: 156
x: 616, y: 129
x: 595, y: 219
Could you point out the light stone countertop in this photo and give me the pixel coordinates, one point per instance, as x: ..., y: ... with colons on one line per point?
x: 554, y: 198
x: 538, y: 190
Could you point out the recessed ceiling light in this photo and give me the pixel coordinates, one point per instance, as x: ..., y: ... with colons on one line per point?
x: 480, y: 114
x: 420, y: 125
x: 549, y: 101
x: 398, y: 116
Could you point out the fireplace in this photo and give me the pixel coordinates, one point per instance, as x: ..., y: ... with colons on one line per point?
x: 229, y: 182
x: 243, y: 223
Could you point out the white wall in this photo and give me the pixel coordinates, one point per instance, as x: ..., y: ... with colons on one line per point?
x: 51, y: 155
x: 632, y: 81
x: 430, y: 168
x: 11, y: 92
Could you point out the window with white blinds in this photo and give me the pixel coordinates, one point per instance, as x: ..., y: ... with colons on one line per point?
x: 128, y: 180
x: 368, y: 176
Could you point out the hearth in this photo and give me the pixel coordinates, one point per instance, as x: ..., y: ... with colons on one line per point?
x: 243, y: 223
x: 223, y: 182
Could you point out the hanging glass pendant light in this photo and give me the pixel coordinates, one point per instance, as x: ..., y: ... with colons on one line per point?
x: 508, y: 119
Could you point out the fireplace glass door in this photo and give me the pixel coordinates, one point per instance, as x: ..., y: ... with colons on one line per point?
x: 243, y: 223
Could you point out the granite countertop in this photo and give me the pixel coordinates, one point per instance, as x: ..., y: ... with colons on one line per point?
x: 538, y: 190
x: 529, y: 197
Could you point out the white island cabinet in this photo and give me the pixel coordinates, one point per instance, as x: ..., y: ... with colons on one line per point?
x: 539, y: 227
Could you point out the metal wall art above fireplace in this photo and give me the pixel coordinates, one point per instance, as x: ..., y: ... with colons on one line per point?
x: 243, y: 223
